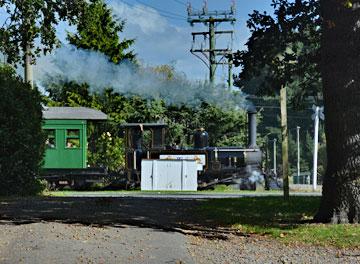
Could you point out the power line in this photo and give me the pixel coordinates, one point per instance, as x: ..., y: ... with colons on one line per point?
x: 180, y: 2
x: 152, y: 11
x: 161, y: 10
x: 184, y: 4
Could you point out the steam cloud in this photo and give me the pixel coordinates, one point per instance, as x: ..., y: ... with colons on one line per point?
x: 71, y: 64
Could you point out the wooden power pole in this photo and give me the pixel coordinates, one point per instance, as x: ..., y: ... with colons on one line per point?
x: 210, y: 54
x: 285, y: 142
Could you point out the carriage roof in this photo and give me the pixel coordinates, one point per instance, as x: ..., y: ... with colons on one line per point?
x: 73, y: 113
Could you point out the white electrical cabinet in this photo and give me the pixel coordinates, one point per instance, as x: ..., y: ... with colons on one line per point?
x: 169, y: 175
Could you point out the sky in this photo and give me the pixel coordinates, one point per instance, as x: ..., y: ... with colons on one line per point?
x: 163, y: 35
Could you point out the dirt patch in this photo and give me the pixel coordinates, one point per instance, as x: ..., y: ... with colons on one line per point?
x: 259, y: 249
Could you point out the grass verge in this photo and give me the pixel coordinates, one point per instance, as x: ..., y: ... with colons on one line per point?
x: 218, y: 189
x: 286, y: 221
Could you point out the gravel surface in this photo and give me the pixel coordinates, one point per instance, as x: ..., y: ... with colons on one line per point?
x: 68, y: 243
x: 257, y: 249
x: 135, y: 230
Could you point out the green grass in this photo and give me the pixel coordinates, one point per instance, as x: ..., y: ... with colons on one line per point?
x: 217, y: 189
x: 119, y: 192
x: 286, y: 221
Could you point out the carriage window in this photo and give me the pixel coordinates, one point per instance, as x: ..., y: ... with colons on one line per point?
x: 50, y: 140
x: 72, y: 138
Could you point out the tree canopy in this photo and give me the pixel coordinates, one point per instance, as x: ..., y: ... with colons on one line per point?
x: 22, y: 139
x: 30, y: 25
x: 283, y: 49
x: 99, y: 30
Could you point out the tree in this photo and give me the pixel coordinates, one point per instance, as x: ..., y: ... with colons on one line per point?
x: 340, y: 66
x: 280, y: 52
x: 30, y: 28
x: 99, y: 30
x: 283, y: 49
x: 225, y: 127
x: 21, y: 138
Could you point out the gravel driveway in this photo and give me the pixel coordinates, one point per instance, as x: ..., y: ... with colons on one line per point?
x: 68, y: 243
x: 135, y: 230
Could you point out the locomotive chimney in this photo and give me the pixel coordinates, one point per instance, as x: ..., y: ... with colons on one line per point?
x: 201, y: 139
x: 252, y: 128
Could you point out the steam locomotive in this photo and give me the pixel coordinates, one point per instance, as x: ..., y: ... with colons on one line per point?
x: 218, y: 165
x: 66, y: 149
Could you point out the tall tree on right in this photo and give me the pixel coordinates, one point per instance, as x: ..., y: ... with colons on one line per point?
x: 340, y: 67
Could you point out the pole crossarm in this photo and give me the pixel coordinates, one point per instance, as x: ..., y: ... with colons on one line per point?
x: 216, y: 32
x: 210, y: 18
x: 218, y: 51
x: 224, y: 13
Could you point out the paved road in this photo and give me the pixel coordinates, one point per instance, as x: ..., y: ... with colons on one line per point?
x: 59, y: 243
x: 49, y: 243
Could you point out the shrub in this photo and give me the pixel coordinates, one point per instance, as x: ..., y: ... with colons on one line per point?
x: 21, y: 136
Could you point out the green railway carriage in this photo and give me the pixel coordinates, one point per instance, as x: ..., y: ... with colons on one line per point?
x: 66, y: 144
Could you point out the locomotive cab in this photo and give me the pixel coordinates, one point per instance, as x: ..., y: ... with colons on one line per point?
x: 135, y: 151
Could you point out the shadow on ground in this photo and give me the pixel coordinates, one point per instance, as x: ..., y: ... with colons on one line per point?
x: 164, y: 214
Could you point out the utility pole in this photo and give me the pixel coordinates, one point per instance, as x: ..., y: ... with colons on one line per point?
x: 230, y: 76
x: 209, y: 56
x: 266, y: 147
x: 316, y: 116
x: 284, y: 142
x: 274, y: 158
x: 298, y: 150
x: 212, y: 50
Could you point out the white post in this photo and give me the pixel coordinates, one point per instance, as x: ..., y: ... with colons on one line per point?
x: 316, y: 141
x: 275, y: 156
x: 28, y: 70
x: 298, y: 150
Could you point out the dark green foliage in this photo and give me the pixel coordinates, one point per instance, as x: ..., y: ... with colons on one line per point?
x: 30, y: 20
x: 225, y: 127
x: 98, y: 30
x: 283, y: 50
x: 22, y: 140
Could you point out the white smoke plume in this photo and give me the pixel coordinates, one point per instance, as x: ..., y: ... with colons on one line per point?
x: 71, y: 64
x: 255, y: 176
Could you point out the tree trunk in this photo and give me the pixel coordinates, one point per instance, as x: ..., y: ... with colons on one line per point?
x: 340, y: 67
x: 28, y: 70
